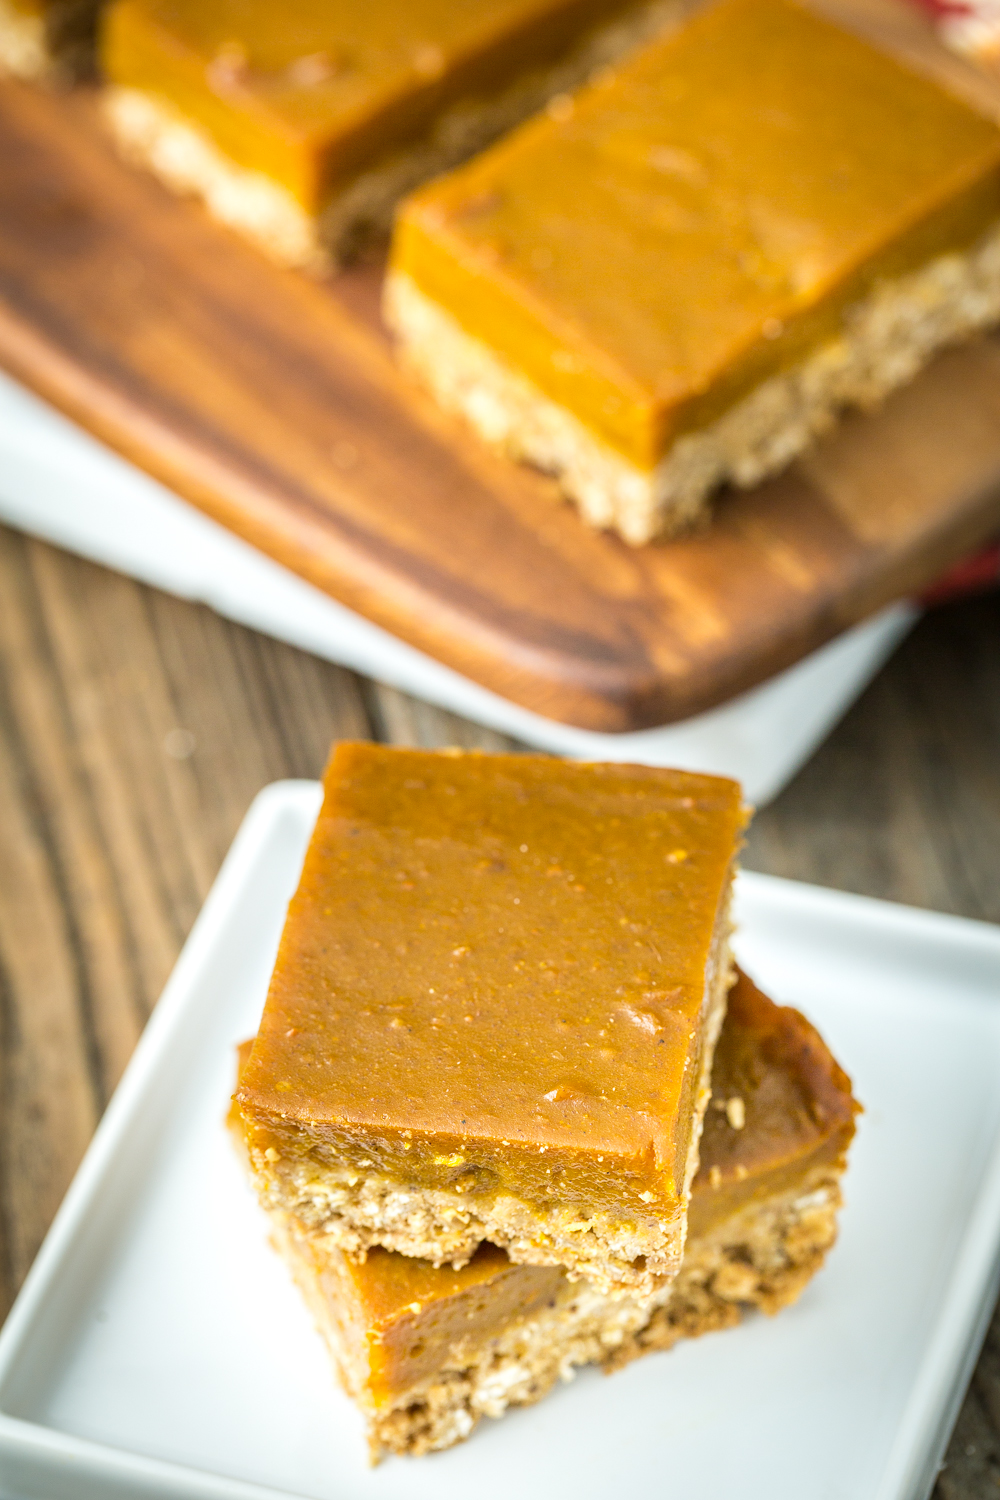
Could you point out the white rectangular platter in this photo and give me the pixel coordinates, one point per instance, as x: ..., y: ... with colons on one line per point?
x: 158, y: 1349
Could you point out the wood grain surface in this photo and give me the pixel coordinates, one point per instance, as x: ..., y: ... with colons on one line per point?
x: 272, y: 402
x: 136, y: 728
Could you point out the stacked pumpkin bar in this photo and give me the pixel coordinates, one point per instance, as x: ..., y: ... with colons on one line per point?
x: 474, y: 1106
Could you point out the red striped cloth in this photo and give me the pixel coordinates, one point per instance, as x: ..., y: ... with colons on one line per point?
x: 971, y: 27
x: 972, y: 575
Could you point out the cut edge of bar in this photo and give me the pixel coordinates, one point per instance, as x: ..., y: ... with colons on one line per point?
x: 885, y: 341
x: 762, y: 1257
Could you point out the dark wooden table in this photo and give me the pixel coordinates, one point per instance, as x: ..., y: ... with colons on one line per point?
x: 136, y: 728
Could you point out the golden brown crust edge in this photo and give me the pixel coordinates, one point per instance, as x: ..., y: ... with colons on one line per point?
x: 763, y: 1260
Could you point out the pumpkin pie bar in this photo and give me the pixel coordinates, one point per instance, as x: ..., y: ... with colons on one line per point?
x: 48, y: 40
x: 427, y: 1352
x: 677, y: 277
x: 301, y: 124
x: 494, y: 1008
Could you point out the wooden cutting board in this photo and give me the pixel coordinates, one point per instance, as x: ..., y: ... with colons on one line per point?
x: 272, y: 403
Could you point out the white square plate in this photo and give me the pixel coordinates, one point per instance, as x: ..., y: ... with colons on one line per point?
x: 159, y: 1350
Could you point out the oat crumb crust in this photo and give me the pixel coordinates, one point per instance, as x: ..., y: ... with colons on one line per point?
x: 54, y: 46
x: 761, y: 1258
